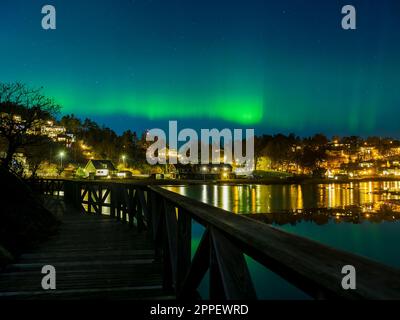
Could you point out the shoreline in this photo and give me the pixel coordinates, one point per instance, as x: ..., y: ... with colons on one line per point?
x: 232, y: 182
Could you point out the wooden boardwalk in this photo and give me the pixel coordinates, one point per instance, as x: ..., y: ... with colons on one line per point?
x: 95, y: 257
x: 100, y: 257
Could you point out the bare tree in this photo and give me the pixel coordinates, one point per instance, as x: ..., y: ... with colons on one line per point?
x: 22, y: 111
x: 37, y: 154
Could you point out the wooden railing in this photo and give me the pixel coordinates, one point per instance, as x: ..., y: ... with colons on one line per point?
x: 53, y: 187
x: 167, y: 217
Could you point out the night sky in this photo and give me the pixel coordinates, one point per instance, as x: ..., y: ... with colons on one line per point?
x: 276, y: 66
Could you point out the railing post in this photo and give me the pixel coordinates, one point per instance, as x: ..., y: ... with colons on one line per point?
x: 230, y: 270
x: 100, y: 199
x: 125, y: 203
x: 130, y: 203
x: 89, y: 193
x: 197, y: 270
x: 117, y: 202
x: 216, y: 289
x: 168, y: 280
x: 172, y: 235
x: 78, y: 196
x: 112, y: 201
x: 158, y: 223
x: 149, y: 218
x: 141, y: 209
x: 184, y: 246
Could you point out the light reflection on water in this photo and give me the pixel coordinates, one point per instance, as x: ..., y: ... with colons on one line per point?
x: 362, y: 218
x: 247, y: 199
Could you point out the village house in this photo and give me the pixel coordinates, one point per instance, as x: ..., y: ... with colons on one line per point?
x: 100, y: 169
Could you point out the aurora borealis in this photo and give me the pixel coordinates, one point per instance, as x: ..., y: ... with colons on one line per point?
x: 276, y: 66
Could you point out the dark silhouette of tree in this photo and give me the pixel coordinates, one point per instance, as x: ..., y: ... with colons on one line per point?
x: 72, y: 124
x: 22, y: 112
x: 313, y: 153
x: 260, y: 143
x: 311, y: 158
x: 281, y: 149
x: 353, y: 143
x: 39, y: 153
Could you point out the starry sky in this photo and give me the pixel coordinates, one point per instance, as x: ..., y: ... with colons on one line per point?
x: 276, y: 66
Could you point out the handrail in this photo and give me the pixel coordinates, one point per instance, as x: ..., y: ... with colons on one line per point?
x: 311, y: 266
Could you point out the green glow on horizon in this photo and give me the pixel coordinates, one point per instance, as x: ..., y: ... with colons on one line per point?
x: 243, y: 110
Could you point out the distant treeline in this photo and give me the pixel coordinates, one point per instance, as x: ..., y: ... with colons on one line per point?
x: 280, y: 149
x: 104, y: 142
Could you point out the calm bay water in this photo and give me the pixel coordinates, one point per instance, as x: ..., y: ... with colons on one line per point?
x: 362, y: 218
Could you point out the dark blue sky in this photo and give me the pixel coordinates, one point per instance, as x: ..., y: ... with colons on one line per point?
x: 277, y: 66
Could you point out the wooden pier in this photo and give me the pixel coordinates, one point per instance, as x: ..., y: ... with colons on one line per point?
x: 129, y: 241
x: 95, y: 257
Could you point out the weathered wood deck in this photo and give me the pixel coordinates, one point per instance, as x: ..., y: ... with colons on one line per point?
x: 95, y: 257
x: 99, y: 256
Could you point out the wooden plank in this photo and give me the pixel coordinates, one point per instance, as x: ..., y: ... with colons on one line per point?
x: 95, y: 257
x: 122, y: 293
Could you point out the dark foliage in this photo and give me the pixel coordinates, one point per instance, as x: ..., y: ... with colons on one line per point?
x: 24, y: 220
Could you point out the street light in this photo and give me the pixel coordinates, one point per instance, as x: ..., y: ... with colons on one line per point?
x: 123, y: 159
x: 62, y: 154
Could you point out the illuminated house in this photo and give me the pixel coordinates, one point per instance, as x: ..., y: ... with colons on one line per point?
x: 367, y: 153
x: 204, y: 171
x: 51, y: 130
x: 44, y: 128
x: 57, y: 133
x: 100, y: 169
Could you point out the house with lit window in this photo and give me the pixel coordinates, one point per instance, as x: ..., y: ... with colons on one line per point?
x: 204, y: 171
x: 100, y: 169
